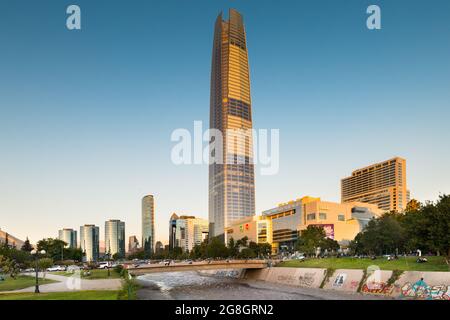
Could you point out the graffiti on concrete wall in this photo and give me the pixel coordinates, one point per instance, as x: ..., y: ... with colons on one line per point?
x: 286, y: 279
x: 339, y: 280
x: 228, y: 273
x: 421, y: 290
x: 307, y: 279
x: 377, y: 288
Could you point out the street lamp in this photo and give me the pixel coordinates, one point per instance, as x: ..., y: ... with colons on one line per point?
x: 35, y: 252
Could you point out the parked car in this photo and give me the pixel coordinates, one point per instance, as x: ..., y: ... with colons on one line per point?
x: 104, y: 265
x: 56, y: 268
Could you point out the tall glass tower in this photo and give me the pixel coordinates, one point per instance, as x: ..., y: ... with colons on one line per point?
x: 89, y: 242
x: 231, y: 181
x: 148, y: 225
x: 115, y: 238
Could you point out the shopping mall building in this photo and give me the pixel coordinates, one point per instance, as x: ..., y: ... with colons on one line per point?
x: 282, y: 225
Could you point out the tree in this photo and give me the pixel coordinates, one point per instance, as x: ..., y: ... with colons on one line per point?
x: 383, y: 235
x: 43, y: 264
x: 216, y: 249
x: 27, y: 247
x: 9, y: 266
x: 232, y: 248
x: 242, y: 242
x: 264, y: 249
x: 438, y: 216
x: 54, y: 248
x: 247, y: 253
x: 413, y: 205
x: 310, y: 239
x: 329, y: 244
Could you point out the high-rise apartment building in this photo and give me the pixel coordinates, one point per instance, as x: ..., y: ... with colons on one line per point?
x: 148, y: 224
x: 89, y: 242
x: 383, y: 184
x: 115, y: 238
x: 187, y: 231
x: 69, y: 236
x: 231, y: 177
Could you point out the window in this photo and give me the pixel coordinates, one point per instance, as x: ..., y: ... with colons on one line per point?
x: 311, y: 216
x: 341, y: 217
x: 322, y: 216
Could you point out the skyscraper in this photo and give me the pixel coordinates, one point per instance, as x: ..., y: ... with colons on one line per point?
x: 115, y: 238
x: 383, y: 184
x: 186, y: 232
x: 231, y: 179
x: 89, y: 242
x: 148, y: 224
x: 69, y: 236
x: 133, y: 244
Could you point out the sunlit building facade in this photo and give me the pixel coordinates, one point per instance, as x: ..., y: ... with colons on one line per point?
x: 148, y: 224
x: 69, y: 236
x: 231, y: 178
x: 187, y: 231
x: 89, y: 242
x: 115, y: 238
x: 257, y: 229
x: 340, y: 221
x: 383, y: 184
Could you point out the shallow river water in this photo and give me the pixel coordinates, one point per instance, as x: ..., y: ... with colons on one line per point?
x: 195, y: 286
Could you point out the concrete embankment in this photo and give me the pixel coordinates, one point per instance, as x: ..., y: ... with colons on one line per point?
x: 409, y: 284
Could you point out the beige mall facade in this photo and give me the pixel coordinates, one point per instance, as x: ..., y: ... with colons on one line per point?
x: 282, y: 225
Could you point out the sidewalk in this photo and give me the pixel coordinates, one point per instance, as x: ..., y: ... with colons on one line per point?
x: 73, y: 283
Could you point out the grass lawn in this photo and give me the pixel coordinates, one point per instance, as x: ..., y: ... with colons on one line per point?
x: 405, y: 264
x: 95, y: 274
x: 77, y: 295
x: 21, y: 282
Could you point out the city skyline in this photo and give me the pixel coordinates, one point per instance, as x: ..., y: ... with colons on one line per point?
x: 90, y: 147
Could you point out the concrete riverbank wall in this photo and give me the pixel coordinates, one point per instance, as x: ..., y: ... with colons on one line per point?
x: 407, y: 285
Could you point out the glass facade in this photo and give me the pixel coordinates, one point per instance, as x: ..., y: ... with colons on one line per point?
x: 148, y: 224
x: 69, y: 236
x: 231, y: 180
x: 115, y: 238
x: 89, y: 242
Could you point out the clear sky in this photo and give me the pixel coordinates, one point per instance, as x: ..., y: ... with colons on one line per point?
x: 86, y: 116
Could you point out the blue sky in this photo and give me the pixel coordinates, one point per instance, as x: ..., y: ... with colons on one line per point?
x: 86, y: 116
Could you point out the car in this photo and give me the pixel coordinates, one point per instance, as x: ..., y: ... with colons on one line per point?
x: 56, y: 268
x: 104, y: 265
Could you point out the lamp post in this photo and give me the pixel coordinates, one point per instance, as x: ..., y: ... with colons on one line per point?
x: 35, y: 252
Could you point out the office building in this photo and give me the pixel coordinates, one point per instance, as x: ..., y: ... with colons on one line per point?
x: 383, y: 184
x: 89, y: 242
x: 115, y: 238
x: 231, y: 177
x: 69, y: 236
x: 133, y: 244
x: 187, y: 231
x: 148, y: 225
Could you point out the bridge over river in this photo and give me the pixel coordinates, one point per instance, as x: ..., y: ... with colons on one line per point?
x: 194, y: 266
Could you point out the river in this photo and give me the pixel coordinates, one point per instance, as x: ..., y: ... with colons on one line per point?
x: 193, y: 285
